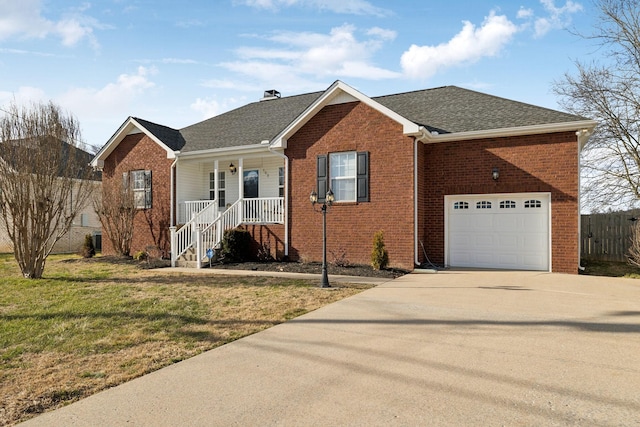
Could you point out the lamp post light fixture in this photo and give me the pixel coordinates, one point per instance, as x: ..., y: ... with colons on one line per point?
x: 329, y: 198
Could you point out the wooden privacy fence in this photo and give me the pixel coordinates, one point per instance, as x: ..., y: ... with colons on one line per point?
x: 607, y: 237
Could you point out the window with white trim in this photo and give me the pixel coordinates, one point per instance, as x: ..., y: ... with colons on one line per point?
x: 344, y: 173
x: 507, y: 204
x: 530, y: 204
x: 461, y: 205
x: 221, y: 188
x: 483, y: 205
x: 280, y: 182
x: 140, y: 184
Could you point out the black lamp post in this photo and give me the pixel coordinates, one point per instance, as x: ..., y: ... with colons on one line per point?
x: 329, y: 198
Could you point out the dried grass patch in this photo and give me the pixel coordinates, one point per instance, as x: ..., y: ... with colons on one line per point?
x: 84, y: 329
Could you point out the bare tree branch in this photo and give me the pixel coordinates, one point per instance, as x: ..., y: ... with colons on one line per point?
x: 45, y: 180
x: 610, y: 94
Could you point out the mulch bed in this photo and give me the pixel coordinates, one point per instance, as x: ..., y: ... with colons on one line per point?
x: 288, y: 267
x: 312, y: 268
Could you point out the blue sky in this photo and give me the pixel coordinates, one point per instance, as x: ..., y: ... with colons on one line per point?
x: 179, y: 62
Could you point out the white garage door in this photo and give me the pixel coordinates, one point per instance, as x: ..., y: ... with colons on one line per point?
x: 507, y: 231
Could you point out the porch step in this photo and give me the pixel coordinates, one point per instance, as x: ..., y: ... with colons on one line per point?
x: 186, y: 264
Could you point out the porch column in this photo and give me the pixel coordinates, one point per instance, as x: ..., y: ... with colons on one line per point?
x: 215, y: 183
x: 241, y: 188
x: 240, y: 179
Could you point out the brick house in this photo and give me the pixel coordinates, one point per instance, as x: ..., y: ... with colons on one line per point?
x: 462, y: 178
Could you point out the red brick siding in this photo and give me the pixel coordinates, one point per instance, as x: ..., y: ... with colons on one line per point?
x: 151, y: 227
x: 267, y: 239
x: 538, y: 163
x: 351, y: 226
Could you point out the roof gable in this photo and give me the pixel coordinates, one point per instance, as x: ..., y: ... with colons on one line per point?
x: 340, y: 92
x: 167, y: 138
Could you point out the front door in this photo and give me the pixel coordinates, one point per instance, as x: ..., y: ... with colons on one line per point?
x: 250, y: 179
x: 250, y: 184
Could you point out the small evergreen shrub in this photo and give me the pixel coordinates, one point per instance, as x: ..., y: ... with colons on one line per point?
x: 88, y: 250
x: 140, y: 256
x: 236, y: 245
x: 379, y: 254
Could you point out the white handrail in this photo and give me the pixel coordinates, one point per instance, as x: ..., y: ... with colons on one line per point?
x: 187, y: 209
x: 211, y: 235
x: 206, y: 228
x: 184, y: 238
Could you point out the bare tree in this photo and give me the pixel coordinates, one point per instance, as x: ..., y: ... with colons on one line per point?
x: 116, y: 210
x: 45, y: 180
x: 609, y: 92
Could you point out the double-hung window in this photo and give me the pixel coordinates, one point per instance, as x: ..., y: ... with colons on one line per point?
x: 342, y: 171
x: 280, y: 182
x: 140, y: 184
x: 221, y: 188
x: 346, y: 174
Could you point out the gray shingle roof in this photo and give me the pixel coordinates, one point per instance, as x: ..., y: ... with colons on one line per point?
x: 247, y: 125
x: 447, y: 109
x: 452, y: 109
x: 172, y: 138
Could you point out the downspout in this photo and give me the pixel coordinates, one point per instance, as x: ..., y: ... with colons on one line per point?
x: 172, y: 169
x: 286, y: 199
x: 583, y: 133
x: 422, y: 137
x: 415, y: 202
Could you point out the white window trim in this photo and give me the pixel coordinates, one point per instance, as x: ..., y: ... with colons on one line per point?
x: 353, y: 178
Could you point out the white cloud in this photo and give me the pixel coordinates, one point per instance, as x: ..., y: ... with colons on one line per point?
x: 112, y: 99
x: 469, y: 45
x: 24, y: 19
x: 382, y: 33
x: 559, y: 17
x: 524, y: 13
x: 25, y: 94
x: 556, y: 17
x: 207, y: 107
x: 303, y: 57
x: 354, y: 7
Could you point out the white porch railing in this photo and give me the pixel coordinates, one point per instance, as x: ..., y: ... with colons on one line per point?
x: 204, y: 231
x: 264, y: 210
x: 186, y: 210
x: 184, y: 238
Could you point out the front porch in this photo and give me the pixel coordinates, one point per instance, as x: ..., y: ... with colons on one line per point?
x: 213, y: 195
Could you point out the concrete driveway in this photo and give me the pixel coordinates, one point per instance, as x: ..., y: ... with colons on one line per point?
x: 453, y: 348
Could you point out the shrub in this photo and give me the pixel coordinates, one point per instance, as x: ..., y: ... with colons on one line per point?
x: 235, y: 245
x: 340, y: 258
x: 88, y: 250
x: 264, y: 252
x: 379, y: 255
x: 140, y: 256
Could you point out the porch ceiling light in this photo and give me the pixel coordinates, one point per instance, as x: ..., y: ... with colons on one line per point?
x: 232, y: 169
x: 495, y: 174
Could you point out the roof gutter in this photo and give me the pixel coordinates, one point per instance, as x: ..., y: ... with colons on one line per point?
x: 585, y: 126
x: 226, y: 151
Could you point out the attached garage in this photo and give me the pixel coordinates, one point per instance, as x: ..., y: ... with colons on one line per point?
x: 503, y: 231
